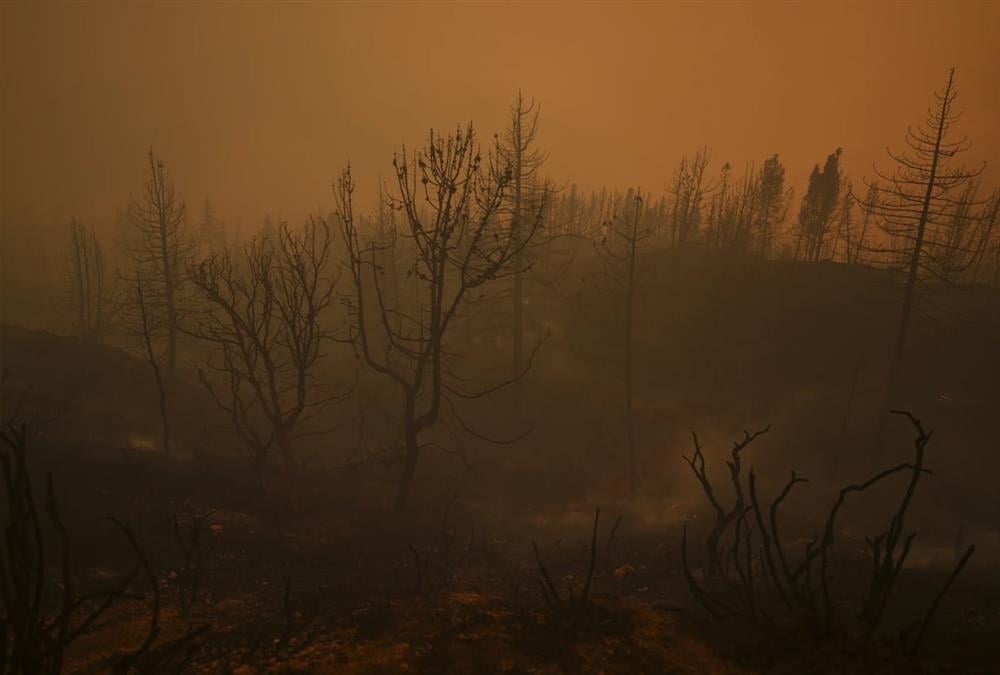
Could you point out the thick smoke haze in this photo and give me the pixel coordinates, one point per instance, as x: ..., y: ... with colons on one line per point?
x: 256, y: 106
x: 555, y: 336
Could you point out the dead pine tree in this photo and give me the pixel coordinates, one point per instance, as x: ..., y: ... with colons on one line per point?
x: 450, y: 197
x: 619, y: 248
x: 262, y: 319
x: 517, y: 148
x: 819, y: 208
x: 160, y: 249
x: 912, y: 201
x: 773, y: 201
x: 147, y: 330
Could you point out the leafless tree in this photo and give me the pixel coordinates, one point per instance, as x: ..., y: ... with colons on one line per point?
x: 918, y: 198
x: 687, y: 191
x: 803, y: 587
x: 571, y: 603
x: 517, y: 149
x: 87, y: 291
x: 843, y: 238
x: 954, y: 249
x: 987, y: 248
x: 160, y: 248
x: 263, y: 322
x: 719, y: 209
x: 451, y: 199
x: 745, y: 213
x: 211, y: 236
x: 35, y: 637
x: 620, y: 249
x: 147, y: 331
x: 858, y: 243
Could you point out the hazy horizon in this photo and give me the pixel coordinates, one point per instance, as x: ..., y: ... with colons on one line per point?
x: 499, y: 425
x: 257, y: 107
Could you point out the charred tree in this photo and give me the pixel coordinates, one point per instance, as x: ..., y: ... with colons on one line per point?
x: 87, y: 290
x: 517, y: 148
x: 619, y: 249
x: 819, y: 205
x: 147, y: 334
x: 916, y: 200
x: 262, y: 320
x: 160, y: 249
x: 687, y: 192
x: 450, y: 198
x: 773, y: 198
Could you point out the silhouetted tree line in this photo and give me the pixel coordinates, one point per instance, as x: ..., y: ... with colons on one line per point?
x: 462, y: 244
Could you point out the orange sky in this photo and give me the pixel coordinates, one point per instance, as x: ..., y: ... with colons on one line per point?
x: 258, y: 106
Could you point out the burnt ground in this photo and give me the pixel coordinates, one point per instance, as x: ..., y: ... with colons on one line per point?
x: 723, y: 347
x: 451, y: 586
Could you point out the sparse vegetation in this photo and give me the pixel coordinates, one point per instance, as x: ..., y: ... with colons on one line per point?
x: 435, y: 419
x: 803, y: 587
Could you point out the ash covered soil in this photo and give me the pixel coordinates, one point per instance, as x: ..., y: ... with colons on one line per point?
x: 341, y: 585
